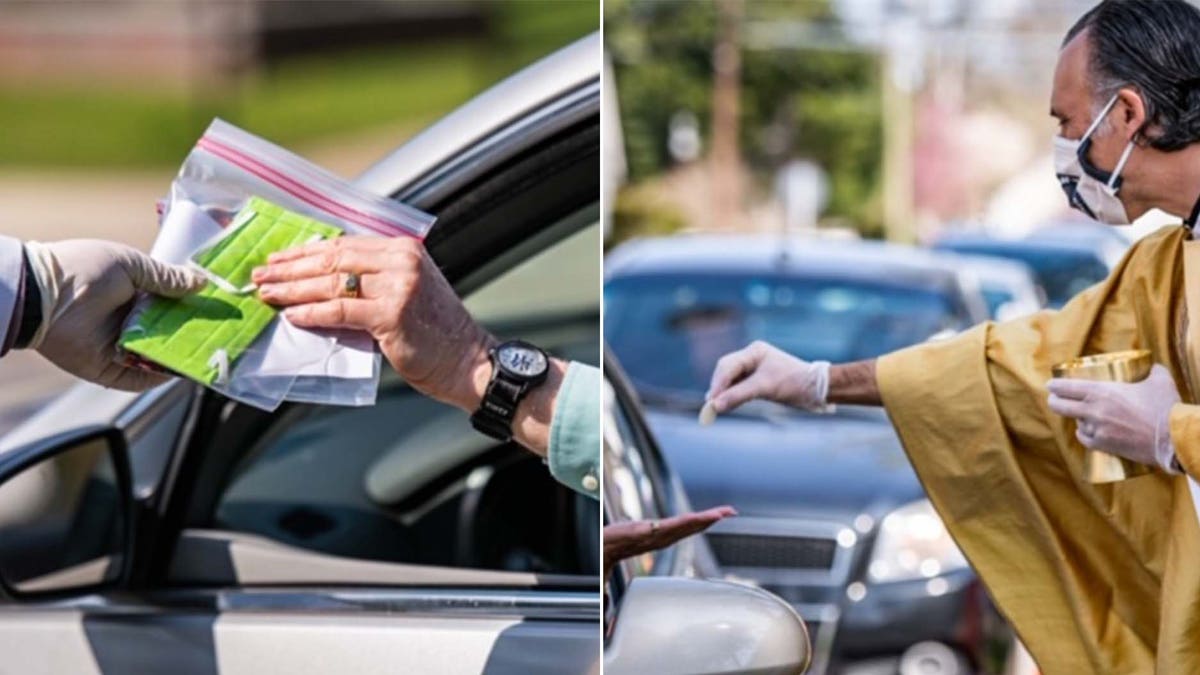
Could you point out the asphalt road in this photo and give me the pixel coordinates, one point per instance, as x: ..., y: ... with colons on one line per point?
x: 28, y: 381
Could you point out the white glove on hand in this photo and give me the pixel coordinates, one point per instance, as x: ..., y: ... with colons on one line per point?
x: 1126, y: 419
x: 762, y: 371
x: 88, y: 287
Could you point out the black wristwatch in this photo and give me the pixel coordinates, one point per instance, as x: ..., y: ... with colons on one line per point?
x: 517, y: 367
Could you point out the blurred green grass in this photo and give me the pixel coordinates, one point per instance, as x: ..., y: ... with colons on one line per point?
x: 300, y: 100
x: 292, y: 101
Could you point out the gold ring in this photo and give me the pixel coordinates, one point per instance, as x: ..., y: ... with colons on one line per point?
x: 352, y: 286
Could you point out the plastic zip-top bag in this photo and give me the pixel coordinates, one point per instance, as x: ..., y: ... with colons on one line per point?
x: 228, y: 174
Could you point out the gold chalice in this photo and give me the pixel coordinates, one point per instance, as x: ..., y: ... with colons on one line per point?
x: 1129, y: 366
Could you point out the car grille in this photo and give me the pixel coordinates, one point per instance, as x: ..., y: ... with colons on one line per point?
x: 773, y: 552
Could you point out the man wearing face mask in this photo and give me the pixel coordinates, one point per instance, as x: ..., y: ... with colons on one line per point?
x: 1095, y: 579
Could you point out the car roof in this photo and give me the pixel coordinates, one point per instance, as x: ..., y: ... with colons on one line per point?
x: 982, y: 242
x: 994, y: 268
x: 1082, y: 231
x: 772, y: 254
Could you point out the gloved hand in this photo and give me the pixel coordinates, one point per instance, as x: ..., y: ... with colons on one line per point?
x: 762, y: 371
x: 1121, y: 418
x: 87, y: 288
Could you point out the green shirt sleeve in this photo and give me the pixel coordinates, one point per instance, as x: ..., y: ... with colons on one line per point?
x: 574, y: 453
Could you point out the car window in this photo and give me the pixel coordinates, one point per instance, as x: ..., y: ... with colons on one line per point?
x: 572, y: 266
x: 408, y: 479
x: 629, y: 489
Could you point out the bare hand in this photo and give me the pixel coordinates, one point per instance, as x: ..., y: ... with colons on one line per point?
x: 625, y: 540
x: 404, y: 302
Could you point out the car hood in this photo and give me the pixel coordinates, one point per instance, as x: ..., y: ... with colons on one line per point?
x: 793, y: 465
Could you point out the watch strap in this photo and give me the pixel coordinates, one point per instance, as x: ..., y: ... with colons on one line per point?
x: 499, y: 406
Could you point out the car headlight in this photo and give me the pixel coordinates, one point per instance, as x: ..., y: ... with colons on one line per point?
x: 913, y: 544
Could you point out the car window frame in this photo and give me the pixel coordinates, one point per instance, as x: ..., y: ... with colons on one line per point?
x: 657, y: 469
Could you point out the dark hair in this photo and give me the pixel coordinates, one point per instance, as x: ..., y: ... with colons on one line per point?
x: 1153, y: 46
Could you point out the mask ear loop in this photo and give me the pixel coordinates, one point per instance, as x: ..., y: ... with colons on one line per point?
x: 1100, y: 118
x: 1116, y: 174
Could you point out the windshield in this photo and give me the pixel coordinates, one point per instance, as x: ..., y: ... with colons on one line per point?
x: 669, y: 331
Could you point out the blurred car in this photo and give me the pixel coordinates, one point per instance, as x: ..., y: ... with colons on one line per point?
x: 1064, y: 264
x: 320, y: 539
x: 666, y: 614
x: 1009, y: 287
x: 832, y: 516
x: 1111, y: 241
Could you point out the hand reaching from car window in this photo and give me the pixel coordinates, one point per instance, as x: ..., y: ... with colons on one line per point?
x: 409, y: 308
x: 403, y: 301
x: 635, y: 537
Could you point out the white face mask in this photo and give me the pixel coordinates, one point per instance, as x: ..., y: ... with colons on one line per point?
x: 1090, y: 189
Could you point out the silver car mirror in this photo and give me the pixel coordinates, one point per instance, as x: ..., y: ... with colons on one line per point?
x: 65, y: 514
x: 679, y: 626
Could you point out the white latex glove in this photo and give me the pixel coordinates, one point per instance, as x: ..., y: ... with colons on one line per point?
x: 88, y: 287
x: 762, y: 371
x: 1121, y: 418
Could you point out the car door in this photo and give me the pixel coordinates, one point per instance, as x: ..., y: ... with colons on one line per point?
x: 256, y: 553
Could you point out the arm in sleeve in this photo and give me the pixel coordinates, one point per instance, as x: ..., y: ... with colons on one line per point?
x: 574, y: 453
x: 12, y: 273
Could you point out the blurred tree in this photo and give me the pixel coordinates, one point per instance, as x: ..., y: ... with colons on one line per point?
x: 528, y: 30
x: 795, y: 103
x: 642, y: 212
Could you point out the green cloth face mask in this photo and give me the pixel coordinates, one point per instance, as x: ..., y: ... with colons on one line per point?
x: 202, y: 336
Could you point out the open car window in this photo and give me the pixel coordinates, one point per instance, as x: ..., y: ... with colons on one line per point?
x: 408, y: 481
x: 563, y: 278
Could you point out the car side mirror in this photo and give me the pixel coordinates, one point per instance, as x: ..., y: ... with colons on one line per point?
x: 66, y: 514
x: 680, y: 626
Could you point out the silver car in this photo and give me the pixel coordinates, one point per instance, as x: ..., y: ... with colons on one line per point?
x: 179, y: 532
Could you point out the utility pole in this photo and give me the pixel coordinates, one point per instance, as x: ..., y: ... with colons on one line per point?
x: 901, y: 64
x: 725, y: 160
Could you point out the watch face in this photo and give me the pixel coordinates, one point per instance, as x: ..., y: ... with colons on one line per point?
x: 521, y: 361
